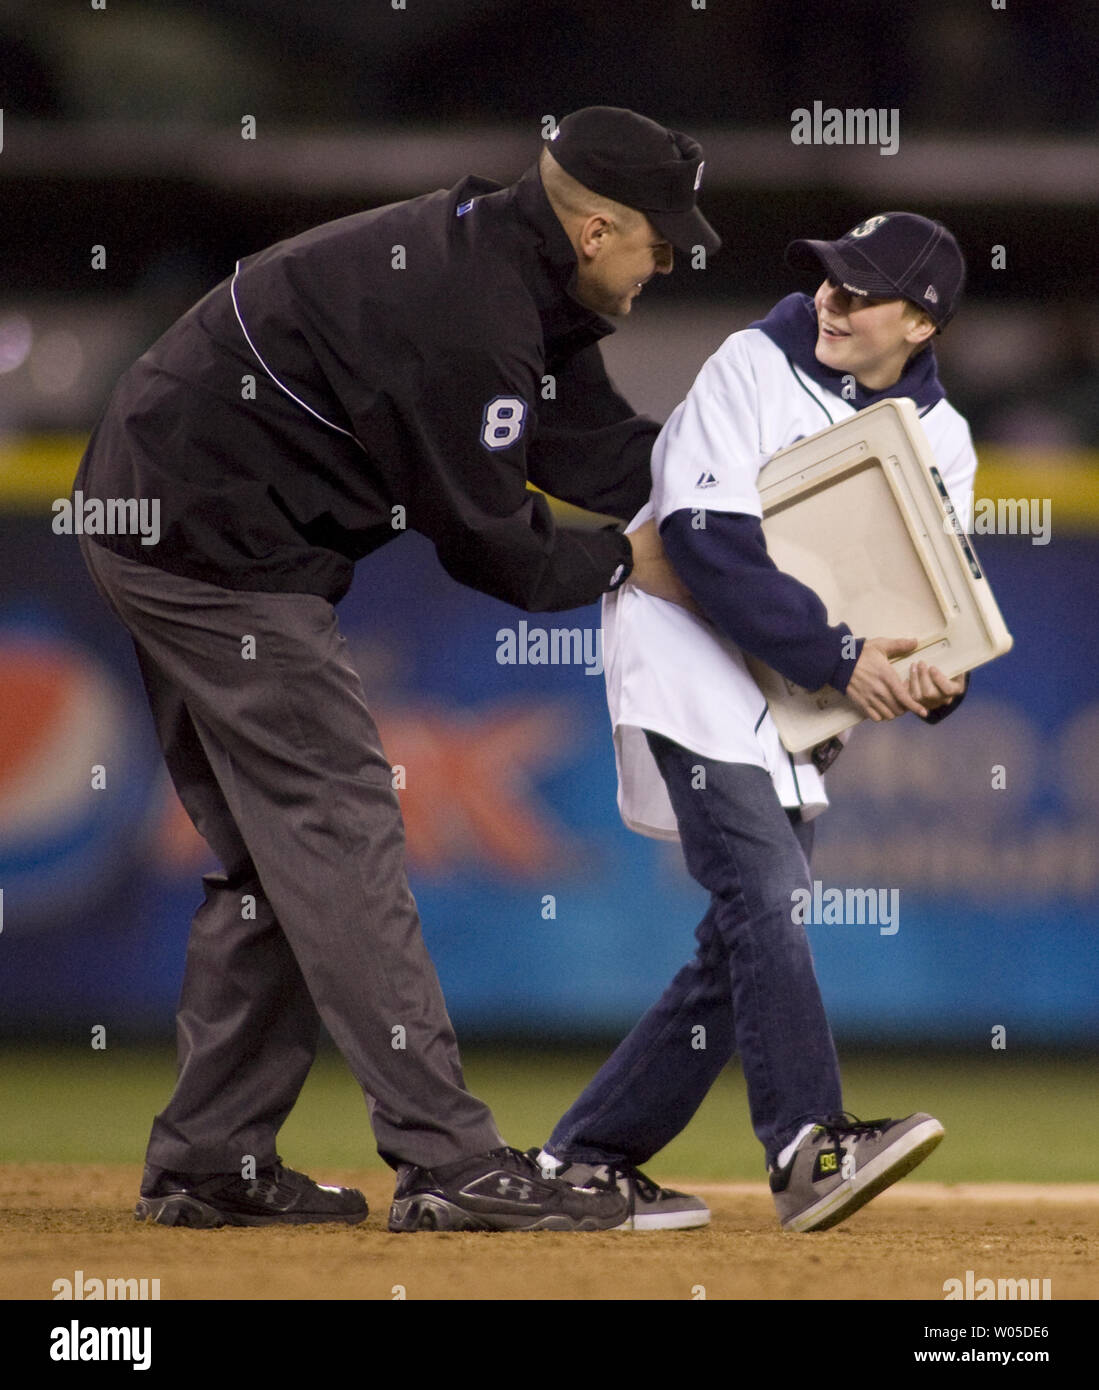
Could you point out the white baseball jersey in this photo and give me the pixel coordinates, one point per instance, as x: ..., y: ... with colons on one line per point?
x: 667, y: 670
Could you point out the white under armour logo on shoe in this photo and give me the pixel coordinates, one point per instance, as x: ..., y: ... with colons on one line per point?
x: 523, y: 1192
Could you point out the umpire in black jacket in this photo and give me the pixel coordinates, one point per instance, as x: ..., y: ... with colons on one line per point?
x: 410, y: 367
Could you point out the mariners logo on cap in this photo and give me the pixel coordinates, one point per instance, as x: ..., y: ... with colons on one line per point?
x: 865, y: 228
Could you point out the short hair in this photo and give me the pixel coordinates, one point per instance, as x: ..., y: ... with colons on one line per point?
x: 571, y: 198
x: 912, y: 310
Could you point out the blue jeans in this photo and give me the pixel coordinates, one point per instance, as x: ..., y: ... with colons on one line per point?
x: 750, y: 987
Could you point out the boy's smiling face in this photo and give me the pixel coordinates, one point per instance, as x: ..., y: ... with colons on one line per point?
x: 872, y: 339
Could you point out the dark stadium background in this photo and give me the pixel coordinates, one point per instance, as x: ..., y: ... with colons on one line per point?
x: 121, y: 127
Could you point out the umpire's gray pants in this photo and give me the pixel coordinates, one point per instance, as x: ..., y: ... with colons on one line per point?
x: 279, y: 764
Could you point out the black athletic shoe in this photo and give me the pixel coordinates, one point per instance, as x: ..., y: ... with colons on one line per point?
x: 499, y: 1191
x: 275, y: 1196
x: 651, y: 1207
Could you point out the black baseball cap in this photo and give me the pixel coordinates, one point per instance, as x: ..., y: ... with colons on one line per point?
x: 895, y: 255
x: 633, y: 160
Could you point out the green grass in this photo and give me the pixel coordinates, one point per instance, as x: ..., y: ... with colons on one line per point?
x: 1007, y: 1117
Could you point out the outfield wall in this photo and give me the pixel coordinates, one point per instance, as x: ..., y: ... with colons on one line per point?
x: 542, y: 912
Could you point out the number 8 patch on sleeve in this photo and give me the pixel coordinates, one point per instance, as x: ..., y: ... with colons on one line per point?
x: 502, y: 421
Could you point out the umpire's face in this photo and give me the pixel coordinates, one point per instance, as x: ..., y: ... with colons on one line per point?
x: 614, y: 262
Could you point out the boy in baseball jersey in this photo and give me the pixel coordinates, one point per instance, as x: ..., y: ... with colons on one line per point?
x: 699, y: 758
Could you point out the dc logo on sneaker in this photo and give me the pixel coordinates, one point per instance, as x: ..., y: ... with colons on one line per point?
x: 832, y: 1161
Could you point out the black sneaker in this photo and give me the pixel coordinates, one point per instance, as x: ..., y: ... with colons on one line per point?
x: 503, y: 1190
x: 275, y: 1196
x: 651, y: 1207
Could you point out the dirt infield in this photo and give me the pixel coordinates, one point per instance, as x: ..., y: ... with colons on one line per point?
x: 56, y: 1219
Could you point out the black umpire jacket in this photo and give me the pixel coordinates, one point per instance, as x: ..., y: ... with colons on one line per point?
x: 384, y: 371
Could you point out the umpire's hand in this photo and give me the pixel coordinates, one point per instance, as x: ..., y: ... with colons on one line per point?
x: 875, y: 689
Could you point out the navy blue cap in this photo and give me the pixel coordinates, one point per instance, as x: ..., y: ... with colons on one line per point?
x: 633, y: 160
x: 895, y: 255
